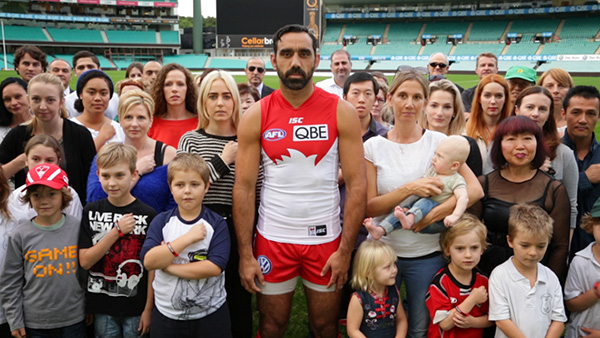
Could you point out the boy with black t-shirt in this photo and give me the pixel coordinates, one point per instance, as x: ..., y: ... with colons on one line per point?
x: 118, y: 291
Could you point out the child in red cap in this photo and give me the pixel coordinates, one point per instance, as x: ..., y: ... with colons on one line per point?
x: 38, y: 284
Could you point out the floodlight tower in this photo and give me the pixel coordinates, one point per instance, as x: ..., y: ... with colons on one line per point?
x: 197, y: 35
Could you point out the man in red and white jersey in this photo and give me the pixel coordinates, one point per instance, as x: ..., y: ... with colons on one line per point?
x: 300, y: 134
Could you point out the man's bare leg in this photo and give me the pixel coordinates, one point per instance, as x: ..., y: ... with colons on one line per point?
x: 323, y: 309
x: 274, y: 314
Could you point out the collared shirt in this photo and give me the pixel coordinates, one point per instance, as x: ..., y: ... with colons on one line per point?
x: 375, y: 129
x: 330, y: 86
x: 259, y: 88
x: 531, y: 309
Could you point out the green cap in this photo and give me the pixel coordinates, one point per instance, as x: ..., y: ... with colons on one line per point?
x: 596, y: 209
x: 520, y: 72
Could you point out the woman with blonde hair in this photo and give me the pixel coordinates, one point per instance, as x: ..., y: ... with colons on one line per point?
x: 395, y: 165
x: 558, y: 81
x: 491, y: 105
x: 175, y: 111
x: 150, y: 185
x: 445, y: 113
x: 215, y: 139
x: 46, y: 101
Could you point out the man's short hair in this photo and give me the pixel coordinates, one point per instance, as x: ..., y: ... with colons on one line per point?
x: 438, y: 53
x: 360, y: 77
x: 294, y: 29
x: 530, y: 219
x: 65, y: 61
x: 34, y: 52
x: 188, y: 162
x: 114, y: 153
x: 587, y: 92
x: 255, y: 58
x: 341, y: 51
x: 85, y: 54
x: 486, y: 55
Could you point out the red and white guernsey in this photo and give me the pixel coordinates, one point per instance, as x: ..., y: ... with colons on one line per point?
x: 299, y: 201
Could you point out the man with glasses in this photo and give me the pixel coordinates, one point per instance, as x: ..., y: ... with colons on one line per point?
x: 255, y: 72
x: 438, y: 67
x: 341, y: 66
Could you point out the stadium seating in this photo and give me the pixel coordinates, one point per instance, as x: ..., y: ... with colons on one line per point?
x: 580, y: 28
x: 227, y: 63
x: 131, y: 37
x: 525, y: 47
x: 75, y: 35
x: 403, y: 48
x: 360, y: 48
x: 332, y: 32
x: 532, y: 26
x: 570, y: 46
x: 365, y: 29
x: 406, y: 31
x: 487, y: 30
x: 23, y: 33
x: 169, y: 37
x: 190, y: 61
x: 439, y: 47
x: 477, y: 48
x: 328, y: 49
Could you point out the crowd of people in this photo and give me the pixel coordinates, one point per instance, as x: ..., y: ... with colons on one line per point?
x: 160, y: 204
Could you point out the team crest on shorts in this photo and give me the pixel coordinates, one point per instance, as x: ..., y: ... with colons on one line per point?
x: 265, y: 264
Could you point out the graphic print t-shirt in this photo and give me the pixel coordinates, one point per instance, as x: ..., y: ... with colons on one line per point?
x: 116, y: 284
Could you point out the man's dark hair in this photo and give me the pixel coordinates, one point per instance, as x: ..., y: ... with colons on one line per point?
x: 360, y: 77
x: 85, y: 54
x: 294, y: 29
x: 34, y: 52
x: 587, y: 92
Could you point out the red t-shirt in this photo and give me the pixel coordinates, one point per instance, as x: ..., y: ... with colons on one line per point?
x: 170, y: 131
x: 445, y: 293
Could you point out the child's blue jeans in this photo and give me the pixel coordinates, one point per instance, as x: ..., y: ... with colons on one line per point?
x: 419, y: 208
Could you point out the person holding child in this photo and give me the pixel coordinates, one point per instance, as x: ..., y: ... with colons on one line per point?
x: 582, y: 289
x: 449, y: 156
x: 458, y: 298
x: 375, y: 309
x: 525, y: 296
x: 118, y: 290
x: 150, y: 182
x: 395, y: 165
x: 46, y: 98
x: 41, y: 149
x: 40, y: 293
x: 188, y: 247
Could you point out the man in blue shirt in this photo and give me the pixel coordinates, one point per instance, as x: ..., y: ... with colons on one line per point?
x: 582, y: 112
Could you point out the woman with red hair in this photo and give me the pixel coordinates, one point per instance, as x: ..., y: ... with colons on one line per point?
x: 491, y: 105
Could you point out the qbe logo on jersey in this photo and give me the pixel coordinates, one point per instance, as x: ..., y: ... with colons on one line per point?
x: 312, y: 132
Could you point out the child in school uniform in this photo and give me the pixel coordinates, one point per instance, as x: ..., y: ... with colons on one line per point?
x: 39, y: 289
x: 582, y: 289
x: 110, y: 241
x: 525, y: 296
x: 188, y: 247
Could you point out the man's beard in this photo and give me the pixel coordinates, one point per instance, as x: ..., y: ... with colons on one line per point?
x: 296, y: 83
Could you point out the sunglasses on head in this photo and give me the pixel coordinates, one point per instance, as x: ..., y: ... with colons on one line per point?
x: 259, y: 69
x: 435, y: 64
x: 406, y: 68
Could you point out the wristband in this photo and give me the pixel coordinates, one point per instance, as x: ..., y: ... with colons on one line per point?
x: 596, y: 289
x: 172, y: 250
x: 121, y: 234
x: 460, y: 311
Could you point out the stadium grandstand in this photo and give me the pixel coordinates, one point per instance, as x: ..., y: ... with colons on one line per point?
x: 541, y: 34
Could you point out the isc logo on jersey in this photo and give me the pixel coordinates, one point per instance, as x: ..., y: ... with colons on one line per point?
x: 274, y: 134
x: 313, y: 132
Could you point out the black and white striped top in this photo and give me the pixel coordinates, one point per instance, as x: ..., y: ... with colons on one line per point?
x: 210, y: 148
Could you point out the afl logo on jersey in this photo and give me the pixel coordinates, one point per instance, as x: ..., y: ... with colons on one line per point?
x: 265, y: 264
x: 274, y: 134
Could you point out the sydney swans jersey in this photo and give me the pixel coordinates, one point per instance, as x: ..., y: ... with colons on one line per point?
x: 299, y: 200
